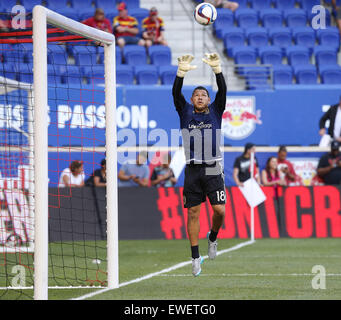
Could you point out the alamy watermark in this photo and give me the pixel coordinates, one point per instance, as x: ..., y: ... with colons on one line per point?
x: 319, y: 280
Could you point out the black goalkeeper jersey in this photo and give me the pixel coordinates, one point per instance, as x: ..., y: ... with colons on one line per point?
x: 201, y: 132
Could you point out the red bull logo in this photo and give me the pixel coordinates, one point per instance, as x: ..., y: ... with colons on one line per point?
x: 240, y: 117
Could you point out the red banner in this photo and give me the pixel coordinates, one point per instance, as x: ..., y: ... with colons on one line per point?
x: 296, y: 212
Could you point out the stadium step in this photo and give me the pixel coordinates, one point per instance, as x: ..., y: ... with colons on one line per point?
x: 184, y: 36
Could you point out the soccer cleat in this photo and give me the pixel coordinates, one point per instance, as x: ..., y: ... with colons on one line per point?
x: 212, y: 247
x: 196, y: 266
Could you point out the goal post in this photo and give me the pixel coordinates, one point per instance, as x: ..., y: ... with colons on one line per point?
x: 41, y: 17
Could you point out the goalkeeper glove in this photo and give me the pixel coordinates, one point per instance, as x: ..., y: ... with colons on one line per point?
x: 213, y: 60
x: 184, y: 65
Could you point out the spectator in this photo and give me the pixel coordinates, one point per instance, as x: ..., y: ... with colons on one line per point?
x: 99, y: 21
x: 163, y: 175
x: 232, y: 5
x: 334, y: 116
x: 134, y: 173
x: 241, y: 167
x: 153, y: 29
x: 126, y: 28
x: 3, y: 26
x: 329, y: 166
x: 271, y: 174
x: 100, y: 175
x: 72, y: 176
x: 286, y: 169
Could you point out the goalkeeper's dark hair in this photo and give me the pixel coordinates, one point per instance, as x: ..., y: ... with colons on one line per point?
x: 200, y: 88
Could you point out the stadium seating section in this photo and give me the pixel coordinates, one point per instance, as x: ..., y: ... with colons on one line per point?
x: 275, y: 33
x: 280, y: 33
x: 76, y: 63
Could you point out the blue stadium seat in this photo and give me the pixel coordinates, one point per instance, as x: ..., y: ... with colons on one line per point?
x: 89, y: 59
x: 56, y: 5
x: 282, y: 74
x: 271, y: 18
x: 53, y: 75
x: 23, y: 52
x: 6, y: 50
x: 330, y: 74
x: 308, y: 4
x: 281, y: 37
x: 52, y: 47
x: 260, y: 4
x: 71, y: 74
x: 29, y: 4
x: 69, y: 13
x: 246, y: 18
x: 325, y: 55
x: 284, y: 4
x: 329, y: 37
x: 7, y: 70
x: 295, y: 18
x: 257, y: 37
x: 304, y: 36
x: 81, y: 5
x: 87, y: 13
x: 242, y: 3
x: 225, y: 19
x: 139, y: 14
x: 167, y: 74
x: 147, y: 75
x: 305, y: 74
x: 244, y: 55
x: 24, y: 72
x: 233, y: 37
x: 160, y: 55
x: 134, y: 55
x: 82, y: 49
x: 111, y: 15
x: 8, y: 4
x: 271, y: 55
x: 124, y: 74
x: 59, y: 58
x: 298, y: 55
x: 106, y: 5
x: 94, y: 74
x: 84, y: 55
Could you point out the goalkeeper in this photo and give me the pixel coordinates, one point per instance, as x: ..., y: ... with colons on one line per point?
x: 200, y: 123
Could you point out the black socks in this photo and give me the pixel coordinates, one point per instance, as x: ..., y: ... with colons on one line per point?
x: 195, y: 252
x: 213, y: 236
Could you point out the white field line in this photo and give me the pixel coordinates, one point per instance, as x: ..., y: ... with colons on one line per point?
x: 154, y: 274
x: 253, y: 275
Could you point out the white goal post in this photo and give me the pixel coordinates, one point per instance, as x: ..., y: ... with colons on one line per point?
x: 41, y: 17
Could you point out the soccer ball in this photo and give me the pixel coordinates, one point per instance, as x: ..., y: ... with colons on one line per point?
x: 205, y: 14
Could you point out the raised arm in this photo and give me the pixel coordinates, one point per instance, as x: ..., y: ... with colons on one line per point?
x: 220, y: 98
x: 213, y: 60
x: 178, y: 98
x: 184, y: 65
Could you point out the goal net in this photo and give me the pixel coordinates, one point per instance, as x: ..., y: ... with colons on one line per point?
x: 58, y: 229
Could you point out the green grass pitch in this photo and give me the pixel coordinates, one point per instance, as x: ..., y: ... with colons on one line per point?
x: 266, y: 269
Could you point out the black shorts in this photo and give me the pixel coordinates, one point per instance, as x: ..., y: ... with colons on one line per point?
x: 203, y: 181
